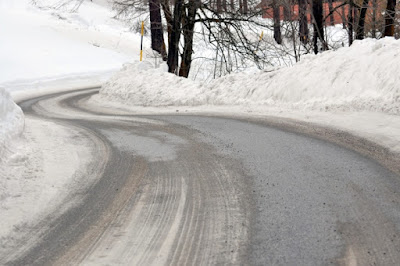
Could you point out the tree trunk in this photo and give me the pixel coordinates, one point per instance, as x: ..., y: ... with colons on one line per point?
x: 173, y: 47
x: 355, y: 16
x: 317, y: 13
x: 157, y: 36
x: 331, y: 18
x: 350, y: 22
x: 374, y: 12
x: 389, y: 18
x: 219, y: 6
x: 361, y: 21
x: 188, y: 31
x: 344, y: 19
x: 245, y: 7
x: 168, y: 17
x: 287, y: 10
x: 303, y: 22
x: 277, y: 22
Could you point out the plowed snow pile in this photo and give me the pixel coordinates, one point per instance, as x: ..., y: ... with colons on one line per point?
x: 11, y: 122
x: 363, y: 77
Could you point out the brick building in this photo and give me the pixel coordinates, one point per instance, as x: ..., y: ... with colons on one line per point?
x: 339, y: 15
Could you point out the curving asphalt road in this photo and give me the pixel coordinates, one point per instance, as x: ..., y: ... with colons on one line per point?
x: 184, y: 189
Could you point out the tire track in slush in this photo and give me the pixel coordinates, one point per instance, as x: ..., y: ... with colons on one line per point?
x: 176, y: 213
x: 176, y: 219
x: 175, y: 193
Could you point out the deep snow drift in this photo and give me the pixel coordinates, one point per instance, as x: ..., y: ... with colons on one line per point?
x: 363, y: 77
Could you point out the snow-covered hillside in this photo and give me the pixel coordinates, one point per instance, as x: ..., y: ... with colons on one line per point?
x: 42, y: 47
x: 45, y: 45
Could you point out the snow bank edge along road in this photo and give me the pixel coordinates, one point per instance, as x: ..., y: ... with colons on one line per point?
x: 362, y: 77
x: 355, y: 90
x: 11, y: 123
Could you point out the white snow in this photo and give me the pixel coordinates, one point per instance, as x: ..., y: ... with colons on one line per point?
x: 362, y: 77
x: 356, y: 89
x: 42, y: 50
x: 11, y: 123
x: 40, y: 46
x: 37, y: 177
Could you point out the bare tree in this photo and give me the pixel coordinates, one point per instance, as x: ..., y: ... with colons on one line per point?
x: 215, y: 21
x: 303, y: 22
x: 361, y: 20
x: 317, y: 14
x: 157, y: 35
x: 67, y: 5
x: 188, y: 22
x: 373, y: 22
x: 287, y: 9
x: 277, y: 22
x: 389, y: 18
x: 234, y: 35
x: 224, y: 5
x: 168, y: 16
x: 350, y: 22
x: 331, y: 18
x: 344, y: 19
x: 219, y: 6
x: 173, y: 43
x: 245, y: 7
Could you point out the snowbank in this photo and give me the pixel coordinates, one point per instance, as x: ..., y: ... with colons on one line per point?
x: 140, y: 84
x: 11, y: 122
x: 362, y: 77
x: 44, y: 49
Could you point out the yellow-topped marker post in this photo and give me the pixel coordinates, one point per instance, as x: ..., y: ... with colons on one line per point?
x: 261, y: 37
x: 141, y: 41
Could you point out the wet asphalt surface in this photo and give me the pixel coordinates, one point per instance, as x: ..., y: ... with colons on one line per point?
x: 313, y: 201
x: 259, y: 195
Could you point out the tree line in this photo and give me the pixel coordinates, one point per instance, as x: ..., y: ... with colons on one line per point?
x: 232, y: 26
x: 223, y: 24
x: 227, y: 23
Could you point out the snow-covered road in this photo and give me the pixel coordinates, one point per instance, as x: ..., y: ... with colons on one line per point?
x: 179, y: 189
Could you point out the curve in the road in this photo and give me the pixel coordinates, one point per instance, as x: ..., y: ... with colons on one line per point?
x: 209, y: 190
